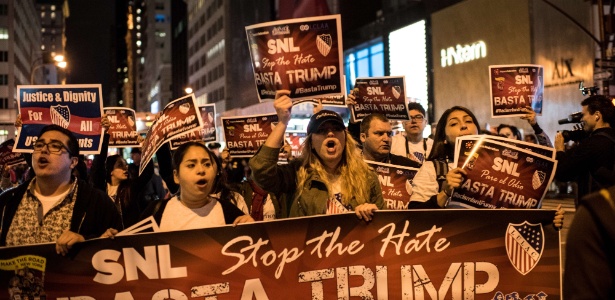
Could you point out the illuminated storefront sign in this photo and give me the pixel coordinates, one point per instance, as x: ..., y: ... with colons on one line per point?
x: 460, y: 54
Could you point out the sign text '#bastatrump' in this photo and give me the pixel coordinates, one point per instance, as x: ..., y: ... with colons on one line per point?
x: 77, y: 108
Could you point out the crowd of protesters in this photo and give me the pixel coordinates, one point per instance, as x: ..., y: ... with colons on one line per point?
x: 57, y: 198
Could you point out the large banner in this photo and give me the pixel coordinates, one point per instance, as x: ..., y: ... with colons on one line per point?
x: 8, y: 157
x: 76, y: 107
x: 422, y: 254
x: 396, y: 184
x: 500, y: 175
x: 123, y: 130
x: 382, y: 95
x: 207, y: 133
x: 244, y: 135
x: 514, y: 87
x: 177, y: 118
x: 301, y: 55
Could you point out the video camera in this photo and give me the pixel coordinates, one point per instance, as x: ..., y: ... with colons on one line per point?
x: 576, y: 118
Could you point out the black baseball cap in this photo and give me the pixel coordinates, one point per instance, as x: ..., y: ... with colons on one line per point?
x: 322, y: 117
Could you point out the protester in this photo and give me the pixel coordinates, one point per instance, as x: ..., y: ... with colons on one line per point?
x: 376, y: 131
x: 54, y: 206
x: 204, y: 199
x: 591, y: 163
x: 510, y: 132
x: 110, y: 175
x: 433, y: 188
x: 215, y: 148
x: 590, y: 263
x: 327, y: 178
x: 154, y: 189
x: 411, y: 143
x: 530, y: 138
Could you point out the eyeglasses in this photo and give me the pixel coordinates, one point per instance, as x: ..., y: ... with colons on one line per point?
x: 54, y: 147
x: 417, y: 118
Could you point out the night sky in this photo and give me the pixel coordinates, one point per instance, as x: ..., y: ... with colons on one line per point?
x: 91, y: 49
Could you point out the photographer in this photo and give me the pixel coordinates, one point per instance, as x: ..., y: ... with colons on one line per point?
x: 591, y: 162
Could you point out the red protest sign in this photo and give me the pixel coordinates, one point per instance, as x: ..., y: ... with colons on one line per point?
x: 513, y: 87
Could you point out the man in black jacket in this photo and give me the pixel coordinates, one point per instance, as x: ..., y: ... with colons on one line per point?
x: 591, y: 162
x: 376, y: 131
x: 590, y: 263
x: 54, y: 206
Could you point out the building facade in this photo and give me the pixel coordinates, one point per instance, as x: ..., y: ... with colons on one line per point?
x: 20, y: 36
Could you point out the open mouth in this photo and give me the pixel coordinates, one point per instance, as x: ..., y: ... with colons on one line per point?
x: 201, y: 183
x: 330, y: 146
x: 43, y: 161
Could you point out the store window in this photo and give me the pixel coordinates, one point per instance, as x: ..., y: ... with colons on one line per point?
x: 364, y: 61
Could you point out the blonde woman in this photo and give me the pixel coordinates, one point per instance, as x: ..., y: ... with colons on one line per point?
x: 329, y: 177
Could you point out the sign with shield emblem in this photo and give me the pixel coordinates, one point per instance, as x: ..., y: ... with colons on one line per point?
x: 524, y: 245
x: 60, y: 115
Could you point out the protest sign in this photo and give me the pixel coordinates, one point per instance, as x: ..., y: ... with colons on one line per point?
x: 8, y: 157
x: 536, y: 148
x: 500, y: 175
x: 301, y: 55
x: 382, y: 95
x: 422, y: 254
x: 206, y: 134
x: 75, y: 107
x: 244, y: 135
x: 178, y: 117
x: 514, y: 87
x: 123, y: 127
x: 395, y: 182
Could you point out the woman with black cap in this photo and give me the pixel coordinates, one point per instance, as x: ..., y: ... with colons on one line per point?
x: 328, y: 177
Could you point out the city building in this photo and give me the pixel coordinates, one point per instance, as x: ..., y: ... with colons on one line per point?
x: 53, y: 40
x: 20, y: 54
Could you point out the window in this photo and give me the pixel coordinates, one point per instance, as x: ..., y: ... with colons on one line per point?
x: 365, y: 61
x: 4, y: 34
x: 4, y: 9
x: 4, y: 56
x: 160, y: 18
x: 4, y: 79
x: 4, y: 103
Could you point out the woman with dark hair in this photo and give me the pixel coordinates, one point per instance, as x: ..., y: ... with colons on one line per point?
x: 204, y: 199
x: 329, y: 176
x: 123, y: 190
x: 110, y: 174
x: 510, y: 132
x: 429, y: 191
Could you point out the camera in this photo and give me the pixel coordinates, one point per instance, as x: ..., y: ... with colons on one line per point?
x: 573, y: 135
x: 588, y: 90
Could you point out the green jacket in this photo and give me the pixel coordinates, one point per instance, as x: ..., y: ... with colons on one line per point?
x: 282, y: 179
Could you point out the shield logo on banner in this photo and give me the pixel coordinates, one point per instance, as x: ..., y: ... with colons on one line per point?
x: 524, y: 245
x: 324, y: 43
x: 538, y: 178
x: 60, y: 115
x: 397, y: 91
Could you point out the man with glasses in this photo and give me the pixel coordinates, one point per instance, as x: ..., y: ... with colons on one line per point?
x: 54, y: 206
x: 411, y: 143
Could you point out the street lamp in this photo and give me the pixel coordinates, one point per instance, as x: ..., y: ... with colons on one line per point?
x: 188, y: 90
x: 59, y: 62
